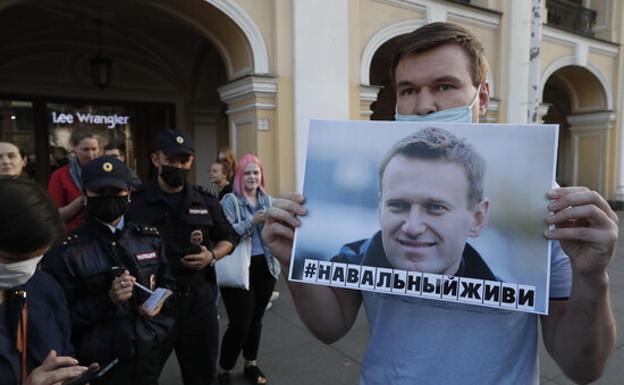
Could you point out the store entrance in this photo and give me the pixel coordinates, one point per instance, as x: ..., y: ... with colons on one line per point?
x: 41, y: 128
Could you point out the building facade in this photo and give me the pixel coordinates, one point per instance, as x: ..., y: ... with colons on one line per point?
x: 249, y: 74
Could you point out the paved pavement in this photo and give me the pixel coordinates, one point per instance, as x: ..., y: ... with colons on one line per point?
x: 290, y: 355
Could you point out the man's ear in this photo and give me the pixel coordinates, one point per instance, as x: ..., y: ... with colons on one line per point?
x: 480, y: 218
x: 155, y: 159
x: 484, y: 98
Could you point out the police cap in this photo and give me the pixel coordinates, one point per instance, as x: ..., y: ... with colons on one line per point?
x: 106, y: 171
x: 175, y: 142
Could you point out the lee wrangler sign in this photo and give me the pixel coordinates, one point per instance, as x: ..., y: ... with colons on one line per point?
x: 110, y: 121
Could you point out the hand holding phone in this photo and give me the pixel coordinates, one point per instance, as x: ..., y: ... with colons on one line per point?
x: 56, y: 368
x: 199, y: 260
x: 93, y: 373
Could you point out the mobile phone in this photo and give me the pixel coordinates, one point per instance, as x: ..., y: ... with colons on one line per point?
x: 117, y: 271
x: 193, y: 249
x: 92, y: 374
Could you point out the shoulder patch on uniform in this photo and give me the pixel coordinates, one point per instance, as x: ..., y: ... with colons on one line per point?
x: 72, y: 239
x: 147, y: 230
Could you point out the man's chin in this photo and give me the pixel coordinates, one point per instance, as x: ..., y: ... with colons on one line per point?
x: 410, y: 266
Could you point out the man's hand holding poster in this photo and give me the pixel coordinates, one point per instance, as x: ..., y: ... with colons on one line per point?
x: 452, y: 212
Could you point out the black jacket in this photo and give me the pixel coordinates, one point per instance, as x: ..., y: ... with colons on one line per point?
x: 199, y: 210
x: 48, y: 325
x: 101, y: 330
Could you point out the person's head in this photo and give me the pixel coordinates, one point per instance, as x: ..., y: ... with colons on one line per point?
x: 220, y: 173
x: 29, y: 225
x: 431, y: 201
x: 58, y: 152
x: 107, y: 188
x: 174, y: 157
x: 437, y: 67
x: 12, y: 161
x: 86, y: 145
x: 226, y: 154
x: 116, y: 149
x: 249, y: 176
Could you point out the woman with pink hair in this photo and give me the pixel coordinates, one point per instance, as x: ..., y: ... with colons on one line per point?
x: 245, y: 208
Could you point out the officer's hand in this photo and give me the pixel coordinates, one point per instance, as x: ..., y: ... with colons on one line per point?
x: 586, y: 227
x: 121, y: 288
x: 279, y: 227
x: 198, y: 261
x: 55, y: 370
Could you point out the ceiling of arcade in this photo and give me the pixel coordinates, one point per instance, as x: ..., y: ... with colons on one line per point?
x: 584, y: 90
x: 182, y: 47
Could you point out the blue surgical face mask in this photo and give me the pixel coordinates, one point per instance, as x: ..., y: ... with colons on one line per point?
x: 450, y: 115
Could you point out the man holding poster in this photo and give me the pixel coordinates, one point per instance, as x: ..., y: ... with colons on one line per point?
x: 440, y: 75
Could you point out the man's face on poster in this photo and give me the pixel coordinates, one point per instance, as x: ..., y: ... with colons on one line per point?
x: 425, y: 216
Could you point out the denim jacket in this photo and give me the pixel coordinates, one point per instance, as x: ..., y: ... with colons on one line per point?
x: 244, y: 227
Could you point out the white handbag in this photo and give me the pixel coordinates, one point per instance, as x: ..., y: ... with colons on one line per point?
x: 233, y: 269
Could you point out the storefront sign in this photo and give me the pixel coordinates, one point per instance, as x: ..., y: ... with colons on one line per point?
x: 111, y: 121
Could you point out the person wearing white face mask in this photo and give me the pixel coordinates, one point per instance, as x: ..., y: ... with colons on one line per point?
x: 437, y: 70
x: 34, y: 319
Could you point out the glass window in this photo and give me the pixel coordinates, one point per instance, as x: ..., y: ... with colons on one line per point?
x: 112, y: 123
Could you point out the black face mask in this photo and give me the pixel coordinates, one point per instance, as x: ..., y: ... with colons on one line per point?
x: 174, y: 176
x: 107, y: 208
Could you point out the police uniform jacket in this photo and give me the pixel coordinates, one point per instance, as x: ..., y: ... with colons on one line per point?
x: 199, y: 210
x: 48, y: 325
x: 101, y: 330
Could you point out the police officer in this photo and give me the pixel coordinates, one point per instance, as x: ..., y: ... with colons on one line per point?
x: 180, y: 211
x: 107, y: 268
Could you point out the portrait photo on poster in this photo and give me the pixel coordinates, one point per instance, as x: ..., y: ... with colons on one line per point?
x: 440, y: 211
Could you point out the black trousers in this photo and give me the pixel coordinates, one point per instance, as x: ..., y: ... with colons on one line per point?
x: 195, y: 336
x: 245, y: 309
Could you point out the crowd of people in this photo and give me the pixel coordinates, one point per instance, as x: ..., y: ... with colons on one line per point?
x: 125, y: 241
x: 74, y: 304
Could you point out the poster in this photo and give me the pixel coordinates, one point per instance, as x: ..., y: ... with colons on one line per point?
x: 467, y: 229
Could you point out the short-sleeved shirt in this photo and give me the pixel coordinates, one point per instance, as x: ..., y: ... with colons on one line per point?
x: 63, y: 191
x: 418, y: 341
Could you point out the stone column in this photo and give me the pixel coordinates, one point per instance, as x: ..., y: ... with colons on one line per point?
x: 368, y: 95
x: 589, y: 137
x: 321, y: 67
x: 251, y: 113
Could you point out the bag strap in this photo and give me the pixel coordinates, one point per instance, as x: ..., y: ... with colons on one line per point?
x: 233, y: 196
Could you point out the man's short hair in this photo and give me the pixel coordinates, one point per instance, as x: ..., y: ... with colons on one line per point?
x: 115, y: 145
x: 437, y: 144
x: 434, y: 35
